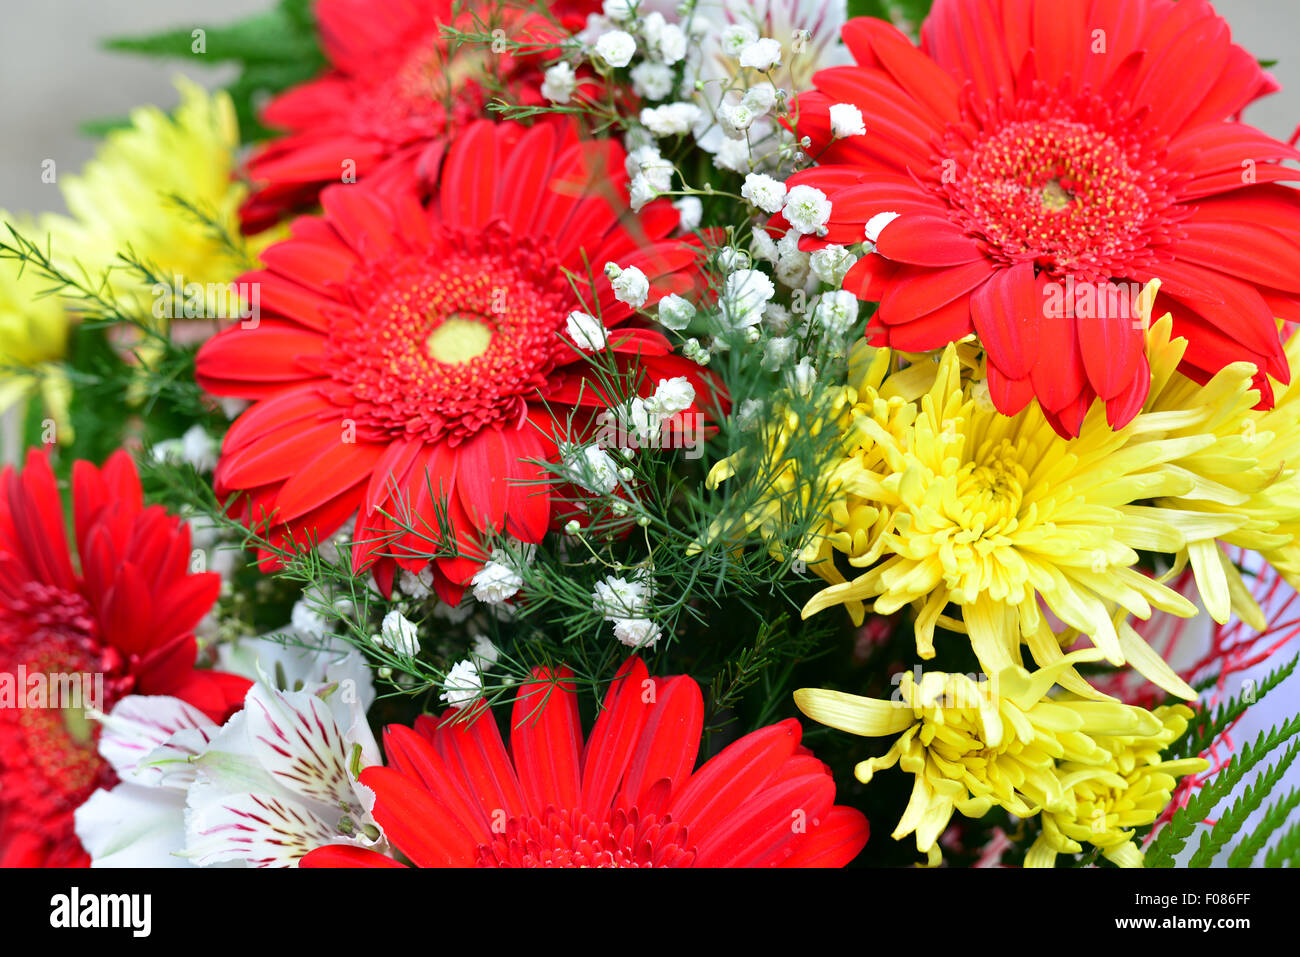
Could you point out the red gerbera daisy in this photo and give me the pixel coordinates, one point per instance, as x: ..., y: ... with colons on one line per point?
x: 409, y: 355
x: 124, y: 610
x: 1038, y: 155
x: 452, y: 796
x: 397, y: 93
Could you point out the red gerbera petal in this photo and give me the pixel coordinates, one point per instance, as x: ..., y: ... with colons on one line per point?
x: 634, y: 802
x: 1065, y: 143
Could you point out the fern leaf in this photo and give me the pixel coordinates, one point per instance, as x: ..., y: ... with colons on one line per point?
x: 1231, y: 822
x: 1274, y: 818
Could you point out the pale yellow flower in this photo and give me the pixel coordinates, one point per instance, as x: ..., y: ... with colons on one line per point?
x: 1130, y: 791
x: 973, y: 743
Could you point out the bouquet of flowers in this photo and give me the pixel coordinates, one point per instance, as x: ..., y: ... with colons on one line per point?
x: 717, y: 433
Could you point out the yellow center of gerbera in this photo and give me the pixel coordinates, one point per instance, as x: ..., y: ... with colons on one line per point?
x: 460, y: 339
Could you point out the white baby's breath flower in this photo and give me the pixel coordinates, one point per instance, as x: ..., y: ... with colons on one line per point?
x: 846, y: 120
x: 807, y: 209
x: 559, y: 83
x: 640, y: 192
x: 736, y: 37
x: 398, y: 635
x: 415, y: 586
x: 616, y: 48
x: 761, y: 55
x: 620, y: 11
x: 749, y: 414
x: 670, y: 44
x: 777, y: 353
x: 654, y: 81
x: 594, y: 470
x: 830, y: 264
x: 484, y: 654
x: 497, y: 580
x: 691, y: 210
x: 587, y: 332
x: 760, y: 98
x: 836, y: 312
x: 761, y: 244
x: 876, y: 225
x: 630, y: 285
x: 463, y: 685
x: 745, y: 292
x: 671, y: 396
x: 636, y: 632
x: 729, y: 259
x: 671, y: 119
x: 764, y: 192
x: 735, y: 118
x: 803, y: 377
x: 675, y: 312
x: 732, y: 155
x: 617, y: 598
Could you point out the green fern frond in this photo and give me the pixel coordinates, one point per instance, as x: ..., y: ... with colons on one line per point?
x: 1230, y: 824
x: 1171, y: 839
x: 1274, y: 818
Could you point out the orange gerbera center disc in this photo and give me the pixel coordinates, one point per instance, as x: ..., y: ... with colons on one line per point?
x: 1060, y: 184
x: 450, y: 339
x: 573, y: 839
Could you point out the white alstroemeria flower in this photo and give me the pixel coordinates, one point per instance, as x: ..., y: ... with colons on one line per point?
x: 586, y: 331
x: 630, y: 284
x: 846, y: 120
x: 616, y: 48
x: 761, y: 55
x: 807, y: 209
x: 764, y: 192
x: 281, y: 779
x: 161, y: 748
x: 559, y: 83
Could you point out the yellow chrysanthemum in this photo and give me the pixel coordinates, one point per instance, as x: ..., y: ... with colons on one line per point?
x: 1246, y: 486
x: 975, y: 744
x: 945, y: 501
x: 33, y: 336
x: 127, y: 197
x: 1131, y: 791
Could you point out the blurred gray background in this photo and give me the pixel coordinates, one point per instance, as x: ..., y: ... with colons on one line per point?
x: 54, y: 77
